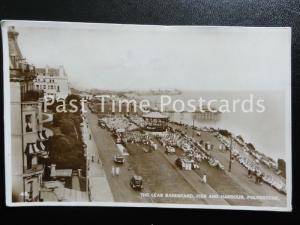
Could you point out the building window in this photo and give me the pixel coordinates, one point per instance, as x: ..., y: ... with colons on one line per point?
x: 29, y: 161
x: 28, y: 123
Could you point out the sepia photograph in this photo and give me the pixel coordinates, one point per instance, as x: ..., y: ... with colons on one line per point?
x: 147, y: 115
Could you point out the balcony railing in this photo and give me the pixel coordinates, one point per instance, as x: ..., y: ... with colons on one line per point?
x: 32, y: 95
x: 36, y: 169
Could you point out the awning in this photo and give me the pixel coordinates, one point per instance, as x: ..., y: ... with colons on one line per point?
x: 42, y: 135
x: 36, y: 148
x: 40, y: 145
x: 44, y: 155
x: 42, y: 149
x: 155, y: 115
x: 31, y: 149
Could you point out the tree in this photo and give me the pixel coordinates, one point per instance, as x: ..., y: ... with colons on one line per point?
x: 58, y: 144
x: 66, y: 126
x: 225, y: 133
x: 66, y: 153
x: 76, y: 101
x: 251, y: 146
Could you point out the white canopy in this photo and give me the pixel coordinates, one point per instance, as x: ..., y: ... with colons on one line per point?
x: 155, y: 115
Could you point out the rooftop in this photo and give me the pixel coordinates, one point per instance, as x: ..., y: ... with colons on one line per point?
x: 47, y: 71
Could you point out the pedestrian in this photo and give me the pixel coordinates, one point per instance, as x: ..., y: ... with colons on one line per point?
x: 256, y: 177
x: 113, y: 171
x: 249, y: 173
x: 261, y: 177
x: 90, y: 136
x: 117, y: 171
x: 204, y: 179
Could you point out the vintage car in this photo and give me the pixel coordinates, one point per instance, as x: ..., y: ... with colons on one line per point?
x: 119, y: 159
x: 101, y: 123
x: 136, y: 182
x: 119, y: 140
x: 170, y: 150
x: 179, y: 163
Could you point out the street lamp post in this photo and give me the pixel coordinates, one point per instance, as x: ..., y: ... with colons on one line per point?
x: 193, y: 128
x: 230, y: 153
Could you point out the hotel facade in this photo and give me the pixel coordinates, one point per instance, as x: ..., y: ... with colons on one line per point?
x: 28, y: 136
x: 52, y: 81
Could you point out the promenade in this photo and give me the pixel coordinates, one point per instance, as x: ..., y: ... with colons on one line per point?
x: 97, y: 185
x: 237, y: 180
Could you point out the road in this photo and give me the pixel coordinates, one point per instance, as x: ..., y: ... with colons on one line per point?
x: 119, y: 185
x: 160, y: 176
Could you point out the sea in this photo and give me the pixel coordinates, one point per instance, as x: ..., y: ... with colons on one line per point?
x: 265, y: 130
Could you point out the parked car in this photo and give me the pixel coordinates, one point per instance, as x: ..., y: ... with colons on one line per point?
x: 170, y: 150
x: 119, y: 159
x: 119, y: 140
x: 101, y: 123
x: 179, y: 163
x: 136, y: 182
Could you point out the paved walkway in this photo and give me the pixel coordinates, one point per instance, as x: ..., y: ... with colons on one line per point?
x: 98, y: 186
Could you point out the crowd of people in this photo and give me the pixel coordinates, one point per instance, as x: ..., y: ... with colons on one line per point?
x: 137, y: 137
x: 139, y: 121
x: 192, y: 149
x: 195, y: 150
x: 253, y: 164
x: 118, y: 122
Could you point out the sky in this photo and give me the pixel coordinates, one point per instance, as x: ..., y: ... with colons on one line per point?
x: 130, y: 57
x: 151, y: 57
